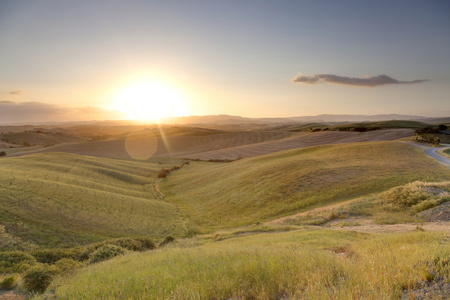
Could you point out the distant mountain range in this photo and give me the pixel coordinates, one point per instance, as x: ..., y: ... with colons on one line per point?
x: 325, y: 118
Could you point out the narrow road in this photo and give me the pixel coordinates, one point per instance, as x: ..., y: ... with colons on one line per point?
x: 433, y: 152
x: 436, y: 155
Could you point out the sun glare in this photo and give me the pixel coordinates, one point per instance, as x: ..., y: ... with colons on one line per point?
x: 149, y: 101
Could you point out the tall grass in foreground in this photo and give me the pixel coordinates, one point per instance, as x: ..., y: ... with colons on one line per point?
x: 382, y: 267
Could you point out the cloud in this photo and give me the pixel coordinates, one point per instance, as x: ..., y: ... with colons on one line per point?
x: 16, y: 112
x: 29, y: 108
x: 368, y: 81
x: 16, y: 93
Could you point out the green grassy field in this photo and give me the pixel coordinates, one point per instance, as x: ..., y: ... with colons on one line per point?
x: 303, y: 264
x: 59, y: 199
x: 264, y: 187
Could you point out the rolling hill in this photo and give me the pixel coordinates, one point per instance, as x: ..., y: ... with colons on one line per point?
x: 281, y: 183
x: 59, y: 199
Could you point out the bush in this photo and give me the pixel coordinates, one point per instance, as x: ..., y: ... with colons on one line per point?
x: 168, y: 239
x: 3, y: 153
x: 38, y: 278
x: 426, y: 204
x: 105, y: 252
x: 9, y: 283
x: 132, y: 244
x: 405, y: 196
x: 15, y: 261
x: 50, y: 256
x: 67, y: 265
x: 163, y: 173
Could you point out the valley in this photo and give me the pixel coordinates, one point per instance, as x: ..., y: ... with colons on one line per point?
x: 194, y: 212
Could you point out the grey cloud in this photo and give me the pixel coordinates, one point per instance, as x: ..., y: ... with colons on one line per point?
x: 369, y: 81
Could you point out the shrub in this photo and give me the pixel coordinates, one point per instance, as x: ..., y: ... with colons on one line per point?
x: 426, y: 204
x: 67, y: 265
x: 9, y: 283
x: 15, y: 261
x: 38, y: 278
x: 132, y: 244
x: 405, y: 196
x: 50, y: 256
x: 163, y: 173
x: 168, y: 239
x: 105, y: 252
x: 3, y: 153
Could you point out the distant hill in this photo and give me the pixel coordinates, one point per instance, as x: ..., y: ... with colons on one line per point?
x: 227, y: 119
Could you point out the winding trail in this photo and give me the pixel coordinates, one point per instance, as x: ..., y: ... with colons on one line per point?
x: 434, y: 152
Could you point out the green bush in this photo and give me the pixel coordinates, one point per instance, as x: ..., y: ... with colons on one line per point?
x: 15, y: 261
x: 132, y: 244
x: 105, y: 252
x: 50, y: 256
x: 405, y: 196
x: 9, y: 283
x: 168, y: 239
x: 38, y: 278
x: 426, y: 204
x: 67, y: 265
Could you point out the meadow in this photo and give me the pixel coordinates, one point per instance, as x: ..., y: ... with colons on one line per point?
x: 266, y: 187
x: 59, y: 199
x: 299, y: 264
x: 263, y: 227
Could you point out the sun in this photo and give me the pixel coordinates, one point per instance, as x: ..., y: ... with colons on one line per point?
x: 148, y: 100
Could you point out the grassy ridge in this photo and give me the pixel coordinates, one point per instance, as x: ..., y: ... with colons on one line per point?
x: 264, y: 187
x: 319, y: 264
x: 360, y: 125
x: 64, y: 199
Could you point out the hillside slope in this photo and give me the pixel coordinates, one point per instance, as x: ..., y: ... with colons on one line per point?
x: 64, y: 199
x: 264, y: 187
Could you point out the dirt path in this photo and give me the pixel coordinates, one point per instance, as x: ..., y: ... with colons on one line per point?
x: 368, y: 226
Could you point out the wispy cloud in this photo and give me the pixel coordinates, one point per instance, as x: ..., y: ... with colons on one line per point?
x: 29, y: 108
x: 11, y: 111
x: 367, y: 81
x: 16, y: 92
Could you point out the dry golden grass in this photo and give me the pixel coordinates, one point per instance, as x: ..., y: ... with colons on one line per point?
x: 283, y: 183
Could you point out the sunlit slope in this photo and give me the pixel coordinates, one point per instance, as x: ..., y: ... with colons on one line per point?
x: 49, y: 198
x: 182, y: 144
x: 264, y: 187
x: 294, y: 141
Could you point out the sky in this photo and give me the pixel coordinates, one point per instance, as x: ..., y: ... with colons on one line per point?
x: 96, y: 60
